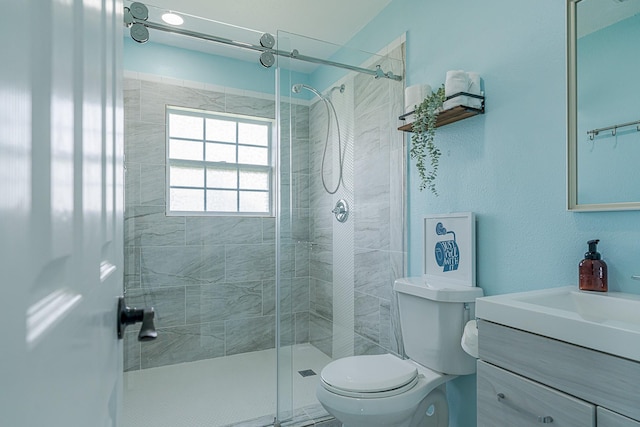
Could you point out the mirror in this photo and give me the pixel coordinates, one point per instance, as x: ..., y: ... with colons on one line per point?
x: 603, y: 104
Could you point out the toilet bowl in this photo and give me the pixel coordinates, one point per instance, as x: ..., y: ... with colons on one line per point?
x: 384, y: 391
x: 387, y: 391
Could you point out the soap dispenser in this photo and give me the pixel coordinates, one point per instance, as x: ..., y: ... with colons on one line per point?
x: 593, y: 270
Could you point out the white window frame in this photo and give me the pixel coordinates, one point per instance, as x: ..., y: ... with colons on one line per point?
x: 237, y: 118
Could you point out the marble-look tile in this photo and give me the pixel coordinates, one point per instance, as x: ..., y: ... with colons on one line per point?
x: 302, y: 328
x: 302, y: 252
x: 363, y: 345
x: 131, y: 185
x: 373, y: 273
x: 300, y: 295
x: 131, y: 267
x: 218, y: 230
x: 250, y: 106
x: 301, y: 120
x: 268, y: 230
x: 386, y: 328
x: 300, y: 225
x: 397, y: 200
x: 321, y: 293
x: 367, y: 316
x: 144, y: 142
x: 168, y: 304
x: 131, y: 98
x: 300, y: 190
x: 190, y: 265
x: 253, y: 334
x: 287, y: 329
x: 131, y: 351
x: 300, y: 162
x: 149, y: 226
x: 321, y: 263
x: 223, y: 301
x: 369, y: 93
x: 321, y: 333
x: 268, y: 297
x: 321, y: 226
x: 396, y: 343
x: 250, y: 262
x: 371, y: 226
x: 154, y: 98
x: 294, y: 295
x: 152, y: 185
x: 184, y: 344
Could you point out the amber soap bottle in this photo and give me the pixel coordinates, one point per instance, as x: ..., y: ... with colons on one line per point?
x: 593, y: 270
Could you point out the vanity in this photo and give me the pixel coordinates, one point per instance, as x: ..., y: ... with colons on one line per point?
x: 559, y: 356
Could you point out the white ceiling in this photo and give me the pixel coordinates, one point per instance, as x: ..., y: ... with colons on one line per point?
x: 335, y: 21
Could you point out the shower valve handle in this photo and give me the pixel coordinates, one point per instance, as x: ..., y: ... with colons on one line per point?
x: 341, y: 211
x: 129, y: 316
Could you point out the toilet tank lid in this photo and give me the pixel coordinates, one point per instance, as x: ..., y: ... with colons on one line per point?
x: 435, y: 290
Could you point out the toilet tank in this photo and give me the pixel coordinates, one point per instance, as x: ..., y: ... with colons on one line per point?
x: 432, y: 320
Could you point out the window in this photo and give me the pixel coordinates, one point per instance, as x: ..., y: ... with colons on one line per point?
x: 218, y: 163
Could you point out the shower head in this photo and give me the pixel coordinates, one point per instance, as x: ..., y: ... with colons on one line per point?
x: 297, y: 88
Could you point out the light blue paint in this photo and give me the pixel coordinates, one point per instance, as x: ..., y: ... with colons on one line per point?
x: 183, y: 64
x: 508, y: 166
x: 607, y: 95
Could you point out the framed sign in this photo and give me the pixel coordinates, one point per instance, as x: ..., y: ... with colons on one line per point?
x: 450, y: 248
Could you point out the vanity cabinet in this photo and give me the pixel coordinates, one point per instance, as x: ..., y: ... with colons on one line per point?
x: 526, y: 379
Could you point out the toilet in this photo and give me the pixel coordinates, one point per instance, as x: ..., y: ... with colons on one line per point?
x: 387, y: 391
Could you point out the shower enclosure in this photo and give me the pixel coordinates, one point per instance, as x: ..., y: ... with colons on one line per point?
x: 235, y: 236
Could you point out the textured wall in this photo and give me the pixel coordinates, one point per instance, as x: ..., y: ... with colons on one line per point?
x: 508, y: 166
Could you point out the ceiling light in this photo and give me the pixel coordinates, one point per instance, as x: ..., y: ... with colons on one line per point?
x: 172, y: 19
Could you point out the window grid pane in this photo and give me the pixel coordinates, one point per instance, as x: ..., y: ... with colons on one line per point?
x: 218, y: 164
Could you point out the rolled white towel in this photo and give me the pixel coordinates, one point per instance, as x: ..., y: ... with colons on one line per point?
x: 456, y: 81
x: 414, y: 95
x: 474, y: 88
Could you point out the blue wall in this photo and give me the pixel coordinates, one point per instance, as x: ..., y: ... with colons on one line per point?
x: 183, y: 64
x: 508, y: 166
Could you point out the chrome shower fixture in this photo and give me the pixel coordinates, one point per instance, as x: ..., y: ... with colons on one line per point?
x: 267, y: 59
x: 136, y: 18
x: 139, y: 31
x: 297, y: 88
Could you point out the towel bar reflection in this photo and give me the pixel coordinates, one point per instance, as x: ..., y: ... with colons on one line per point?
x: 595, y: 132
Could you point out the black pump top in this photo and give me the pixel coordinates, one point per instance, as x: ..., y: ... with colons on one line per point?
x: 593, y: 250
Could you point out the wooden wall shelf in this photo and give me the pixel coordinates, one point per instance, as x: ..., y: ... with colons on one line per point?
x: 452, y: 115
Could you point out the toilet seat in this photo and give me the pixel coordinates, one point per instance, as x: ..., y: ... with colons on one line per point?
x: 371, y: 376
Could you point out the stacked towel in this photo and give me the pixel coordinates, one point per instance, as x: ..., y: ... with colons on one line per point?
x: 414, y: 95
x: 474, y: 88
x: 461, y: 81
x: 456, y: 81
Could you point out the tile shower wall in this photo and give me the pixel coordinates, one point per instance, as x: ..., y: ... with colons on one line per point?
x: 211, y: 280
x: 378, y: 215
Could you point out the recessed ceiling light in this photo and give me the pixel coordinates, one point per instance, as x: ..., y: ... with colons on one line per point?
x: 172, y: 19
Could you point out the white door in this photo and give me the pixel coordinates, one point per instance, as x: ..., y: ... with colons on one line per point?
x: 60, y: 212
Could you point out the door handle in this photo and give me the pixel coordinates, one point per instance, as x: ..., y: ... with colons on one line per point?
x: 130, y: 316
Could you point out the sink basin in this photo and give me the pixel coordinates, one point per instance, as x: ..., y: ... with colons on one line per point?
x: 608, y: 322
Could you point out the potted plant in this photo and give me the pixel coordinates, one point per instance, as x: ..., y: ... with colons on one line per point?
x: 422, y: 145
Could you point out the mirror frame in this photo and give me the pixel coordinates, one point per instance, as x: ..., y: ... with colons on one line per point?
x: 572, y: 125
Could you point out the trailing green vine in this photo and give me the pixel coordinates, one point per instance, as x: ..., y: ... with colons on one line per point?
x: 422, y: 145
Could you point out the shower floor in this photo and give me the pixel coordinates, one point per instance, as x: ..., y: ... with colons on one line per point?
x: 219, y: 392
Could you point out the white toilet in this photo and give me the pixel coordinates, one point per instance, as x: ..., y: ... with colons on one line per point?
x: 386, y: 391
